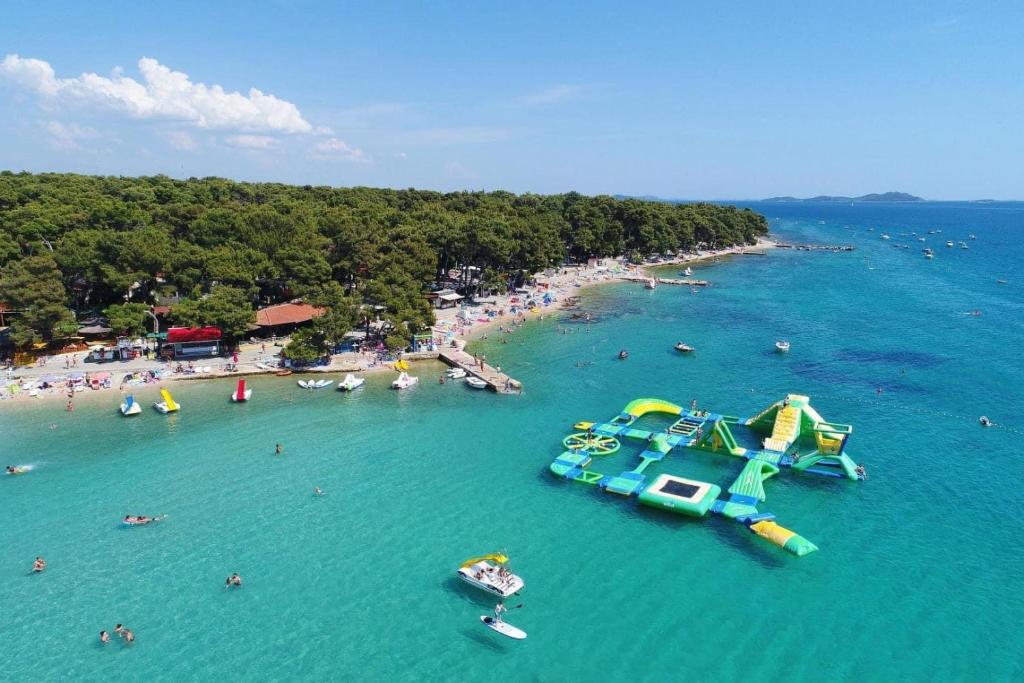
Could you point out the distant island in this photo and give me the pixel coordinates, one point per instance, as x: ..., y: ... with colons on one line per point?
x: 883, y: 197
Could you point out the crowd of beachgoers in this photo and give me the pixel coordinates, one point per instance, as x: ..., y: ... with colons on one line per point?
x: 69, y: 377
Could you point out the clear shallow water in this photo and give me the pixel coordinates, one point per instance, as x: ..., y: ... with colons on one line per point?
x: 918, y: 575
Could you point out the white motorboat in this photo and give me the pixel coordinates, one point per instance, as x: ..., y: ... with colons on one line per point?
x: 973, y: 237
x: 688, y: 272
x: 350, y: 382
x: 404, y: 381
x: 650, y: 283
x: 456, y: 373
x: 782, y: 346
x: 683, y: 348
x: 130, y: 406
x: 476, y: 383
x: 322, y: 383
x: 963, y: 245
x: 489, y: 573
x: 306, y: 383
x: 920, y: 239
x: 885, y: 237
x: 928, y: 253
x: 949, y: 243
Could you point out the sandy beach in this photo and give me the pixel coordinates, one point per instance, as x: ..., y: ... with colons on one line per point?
x: 453, y: 326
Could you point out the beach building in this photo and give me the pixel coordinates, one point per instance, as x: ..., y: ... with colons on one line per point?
x: 184, y: 343
x: 444, y: 298
x: 281, y: 319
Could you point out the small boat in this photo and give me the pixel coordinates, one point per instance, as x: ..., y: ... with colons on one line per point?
x: 322, y: 383
x: 963, y: 245
x: 350, y: 382
x: 623, y: 354
x: 920, y: 239
x: 241, y: 393
x: 283, y: 373
x: 130, y: 406
x: 650, y: 283
x: 928, y: 253
x: 141, y: 520
x: 686, y: 273
x: 885, y: 236
x: 984, y: 421
x: 456, y: 373
x: 488, y: 573
x: 1001, y: 282
x: 502, y: 627
x: 782, y: 346
x: 476, y: 383
x: 973, y: 237
x: 683, y: 348
x: 404, y: 381
x: 167, y: 405
x: 13, y: 470
x: 949, y: 243
x: 306, y: 383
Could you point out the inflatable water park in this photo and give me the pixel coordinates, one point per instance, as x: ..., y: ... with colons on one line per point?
x: 792, y: 436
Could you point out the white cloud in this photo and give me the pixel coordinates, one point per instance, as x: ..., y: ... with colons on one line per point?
x: 68, y: 136
x: 458, y: 171
x: 558, y: 93
x: 336, y: 148
x: 179, y: 139
x: 251, y: 141
x: 162, y: 94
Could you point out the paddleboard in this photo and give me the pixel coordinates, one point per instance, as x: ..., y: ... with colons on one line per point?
x: 503, y: 628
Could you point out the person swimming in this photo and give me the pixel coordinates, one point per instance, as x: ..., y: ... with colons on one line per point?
x: 39, y: 565
x: 317, y: 491
x: 233, y: 581
x: 119, y: 629
x: 128, y: 636
x: 104, y: 637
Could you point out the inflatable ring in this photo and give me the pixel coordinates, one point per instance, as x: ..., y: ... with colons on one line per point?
x: 593, y: 444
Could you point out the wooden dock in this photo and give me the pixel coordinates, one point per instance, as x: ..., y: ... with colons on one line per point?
x: 686, y: 282
x: 815, y: 247
x: 497, y: 381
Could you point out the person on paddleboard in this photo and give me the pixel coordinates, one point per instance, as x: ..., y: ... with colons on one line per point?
x: 499, y: 609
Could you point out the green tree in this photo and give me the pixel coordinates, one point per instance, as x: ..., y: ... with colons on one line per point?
x: 228, y: 308
x: 33, y: 288
x: 127, y: 319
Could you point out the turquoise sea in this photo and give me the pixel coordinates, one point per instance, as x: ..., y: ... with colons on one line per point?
x: 918, y: 576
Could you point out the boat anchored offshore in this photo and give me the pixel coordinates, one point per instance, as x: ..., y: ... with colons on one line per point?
x: 488, y: 573
x: 476, y: 383
x: 241, y: 393
x: 167, y: 405
x: 130, y: 406
x: 350, y: 382
x: 683, y: 348
x: 404, y: 381
x: 782, y: 346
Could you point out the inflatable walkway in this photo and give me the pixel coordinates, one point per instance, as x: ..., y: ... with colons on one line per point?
x: 793, y: 436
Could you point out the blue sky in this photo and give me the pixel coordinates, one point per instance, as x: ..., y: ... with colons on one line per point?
x: 673, y: 99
